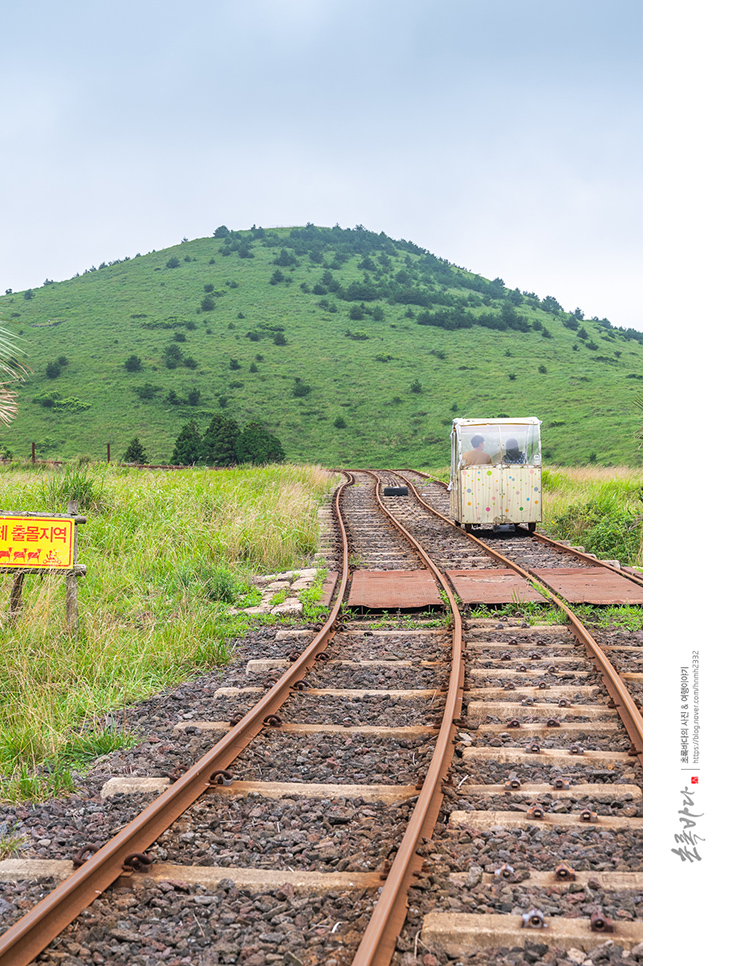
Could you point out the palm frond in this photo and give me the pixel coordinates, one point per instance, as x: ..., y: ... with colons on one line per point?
x: 11, y: 370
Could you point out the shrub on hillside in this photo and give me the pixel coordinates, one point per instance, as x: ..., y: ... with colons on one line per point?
x: 188, y: 446
x: 135, y: 452
x: 148, y: 391
x: 285, y: 258
x: 173, y: 356
x: 257, y: 445
x: 133, y: 364
x: 219, y: 441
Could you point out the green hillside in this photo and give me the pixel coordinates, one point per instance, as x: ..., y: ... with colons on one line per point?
x: 350, y: 347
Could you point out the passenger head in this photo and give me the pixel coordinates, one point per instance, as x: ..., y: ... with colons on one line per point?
x: 511, y: 444
x: 476, y: 441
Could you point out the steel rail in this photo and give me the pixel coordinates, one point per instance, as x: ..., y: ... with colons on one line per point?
x: 378, y: 942
x: 625, y: 705
x: 29, y: 936
x: 553, y: 544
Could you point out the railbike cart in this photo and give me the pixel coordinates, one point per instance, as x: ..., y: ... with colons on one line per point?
x: 496, y: 472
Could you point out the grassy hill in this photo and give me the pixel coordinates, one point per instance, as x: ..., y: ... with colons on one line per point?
x: 350, y: 347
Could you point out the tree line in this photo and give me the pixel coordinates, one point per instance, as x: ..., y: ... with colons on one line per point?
x: 223, y: 443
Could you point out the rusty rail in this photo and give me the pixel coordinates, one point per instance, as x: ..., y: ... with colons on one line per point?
x: 628, y: 712
x: 378, y: 943
x: 24, y: 940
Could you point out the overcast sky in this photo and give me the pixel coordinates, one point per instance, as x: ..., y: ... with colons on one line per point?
x: 502, y: 135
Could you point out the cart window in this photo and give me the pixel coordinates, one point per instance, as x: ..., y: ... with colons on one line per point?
x: 520, y: 445
x: 504, y: 443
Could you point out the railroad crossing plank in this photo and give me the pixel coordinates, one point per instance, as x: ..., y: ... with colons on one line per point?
x: 591, y: 585
x: 492, y: 587
x: 385, y: 589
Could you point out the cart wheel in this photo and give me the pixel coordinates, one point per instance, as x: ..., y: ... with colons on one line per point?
x: 531, y: 527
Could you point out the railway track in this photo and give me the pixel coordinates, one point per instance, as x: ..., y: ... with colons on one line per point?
x: 428, y: 788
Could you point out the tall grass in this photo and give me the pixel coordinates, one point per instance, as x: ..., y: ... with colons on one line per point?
x: 599, y: 508
x: 166, y: 555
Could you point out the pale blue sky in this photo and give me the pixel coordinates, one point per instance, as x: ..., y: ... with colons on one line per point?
x: 502, y: 135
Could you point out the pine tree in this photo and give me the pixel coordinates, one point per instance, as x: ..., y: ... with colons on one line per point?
x: 219, y: 441
x: 257, y: 445
x: 135, y: 452
x: 188, y: 446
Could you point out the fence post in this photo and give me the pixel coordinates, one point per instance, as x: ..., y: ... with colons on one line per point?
x: 16, y: 598
x: 108, y: 452
x: 72, y: 583
x: 32, y: 452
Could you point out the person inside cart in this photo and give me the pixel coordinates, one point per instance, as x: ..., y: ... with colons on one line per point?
x: 512, y: 453
x: 476, y: 455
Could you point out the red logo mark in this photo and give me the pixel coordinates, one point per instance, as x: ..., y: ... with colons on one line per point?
x: 694, y: 779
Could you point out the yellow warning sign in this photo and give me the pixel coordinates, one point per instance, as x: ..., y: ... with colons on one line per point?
x: 46, y: 543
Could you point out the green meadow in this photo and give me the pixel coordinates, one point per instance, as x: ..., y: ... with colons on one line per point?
x: 168, y: 557
x: 351, y: 347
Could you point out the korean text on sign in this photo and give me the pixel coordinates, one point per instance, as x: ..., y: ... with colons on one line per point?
x: 42, y: 542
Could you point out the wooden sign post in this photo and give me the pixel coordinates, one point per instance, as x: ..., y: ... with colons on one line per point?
x: 38, y: 543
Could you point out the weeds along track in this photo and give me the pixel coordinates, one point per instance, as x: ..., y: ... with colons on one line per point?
x: 420, y: 789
